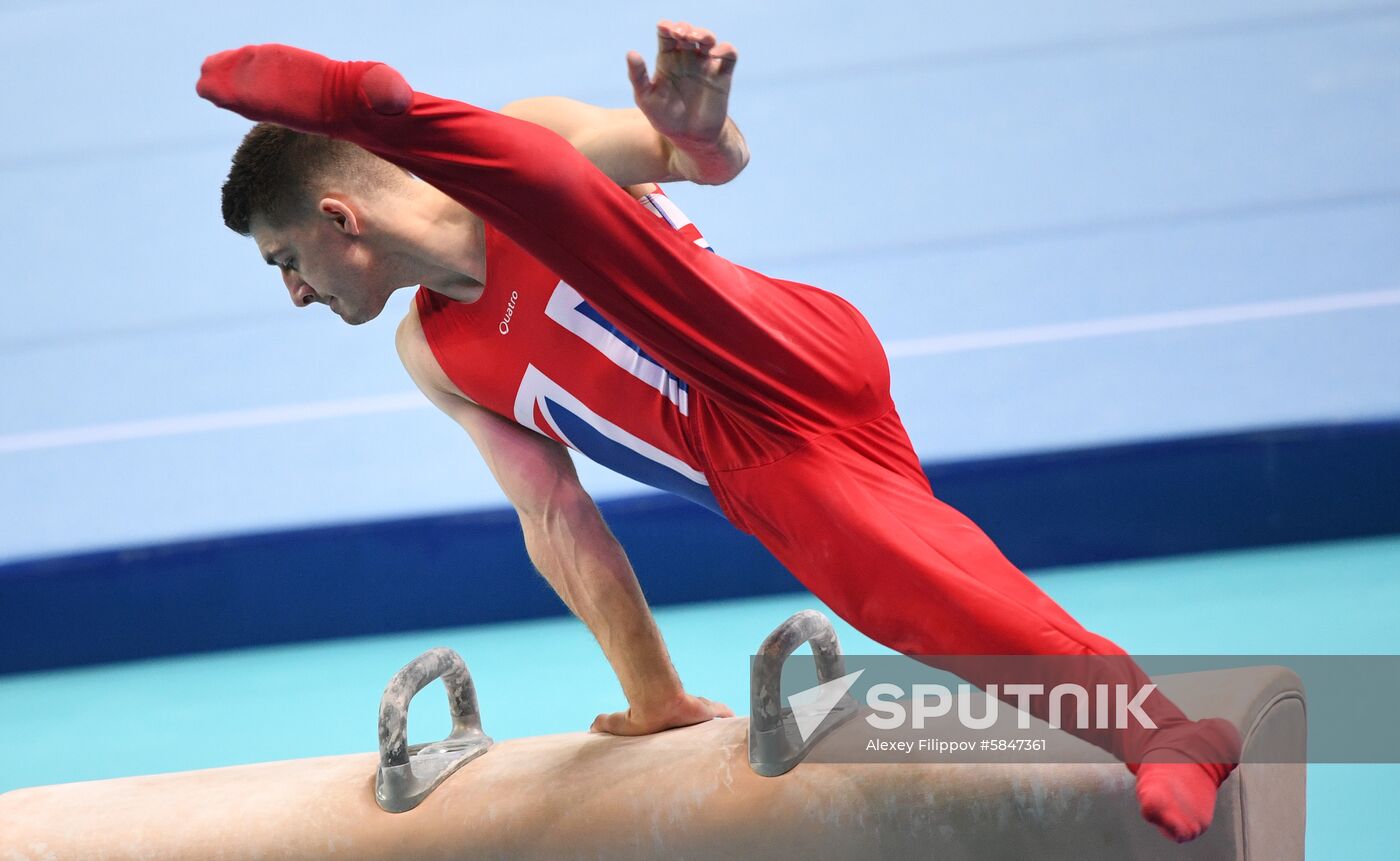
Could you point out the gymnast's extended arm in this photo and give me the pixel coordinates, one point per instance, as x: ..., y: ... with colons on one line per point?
x: 680, y: 129
x: 572, y: 548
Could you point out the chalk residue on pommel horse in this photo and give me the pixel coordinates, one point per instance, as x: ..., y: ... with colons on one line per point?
x: 689, y: 793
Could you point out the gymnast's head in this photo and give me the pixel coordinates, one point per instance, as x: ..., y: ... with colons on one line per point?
x: 329, y: 215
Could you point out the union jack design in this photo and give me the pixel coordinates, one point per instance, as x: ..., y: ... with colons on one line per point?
x: 564, y: 370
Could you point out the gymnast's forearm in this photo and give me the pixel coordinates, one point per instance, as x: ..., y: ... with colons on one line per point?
x: 625, y: 146
x: 577, y: 554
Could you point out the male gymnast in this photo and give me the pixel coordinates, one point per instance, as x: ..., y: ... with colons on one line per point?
x: 557, y: 310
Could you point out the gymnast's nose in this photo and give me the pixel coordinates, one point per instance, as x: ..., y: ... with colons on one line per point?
x: 301, y: 292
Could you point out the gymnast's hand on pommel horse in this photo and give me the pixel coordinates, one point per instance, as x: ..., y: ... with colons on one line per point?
x: 613, y: 329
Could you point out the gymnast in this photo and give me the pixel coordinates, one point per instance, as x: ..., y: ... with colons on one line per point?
x: 563, y: 302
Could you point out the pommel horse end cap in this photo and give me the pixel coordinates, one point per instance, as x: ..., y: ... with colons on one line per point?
x: 697, y: 792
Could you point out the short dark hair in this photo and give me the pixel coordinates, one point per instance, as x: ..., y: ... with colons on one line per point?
x: 274, y: 169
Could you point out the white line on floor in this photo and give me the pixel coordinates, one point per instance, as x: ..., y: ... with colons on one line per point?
x: 1222, y: 314
x: 901, y: 349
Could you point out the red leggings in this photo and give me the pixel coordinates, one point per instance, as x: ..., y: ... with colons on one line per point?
x: 794, y: 419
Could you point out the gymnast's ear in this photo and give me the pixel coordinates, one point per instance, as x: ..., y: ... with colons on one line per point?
x: 340, y: 214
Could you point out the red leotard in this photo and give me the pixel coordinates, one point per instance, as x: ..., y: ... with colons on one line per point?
x: 788, y: 417
x: 533, y: 350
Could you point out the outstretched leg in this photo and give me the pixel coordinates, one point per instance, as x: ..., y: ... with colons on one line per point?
x: 852, y: 517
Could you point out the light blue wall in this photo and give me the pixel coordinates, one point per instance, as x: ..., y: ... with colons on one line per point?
x: 986, y: 170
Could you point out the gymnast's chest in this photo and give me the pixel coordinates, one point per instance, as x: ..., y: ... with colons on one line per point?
x: 532, y: 339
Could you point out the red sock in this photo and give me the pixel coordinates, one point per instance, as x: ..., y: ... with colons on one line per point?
x: 1180, y: 776
x: 288, y: 86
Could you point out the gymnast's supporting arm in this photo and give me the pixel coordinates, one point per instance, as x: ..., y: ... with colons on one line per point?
x: 572, y: 548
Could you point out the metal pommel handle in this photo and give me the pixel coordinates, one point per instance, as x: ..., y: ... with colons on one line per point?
x: 407, y: 774
x: 776, y: 744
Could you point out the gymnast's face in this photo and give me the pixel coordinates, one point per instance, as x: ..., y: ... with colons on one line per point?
x: 324, y: 259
